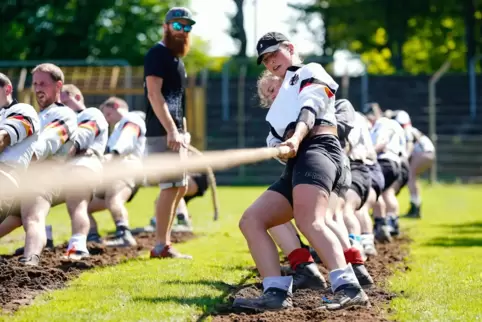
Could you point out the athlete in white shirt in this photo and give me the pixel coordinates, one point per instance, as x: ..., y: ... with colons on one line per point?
x: 90, y: 141
x: 302, y: 118
x: 390, y: 144
x: 19, y: 127
x: 127, y: 141
x: 421, y: 156
x: 58, y: 124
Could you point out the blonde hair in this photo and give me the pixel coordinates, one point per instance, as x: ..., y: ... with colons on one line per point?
x: 53, y: 70
x: 115, y: 102
x: 73, y: 90
x: 265, y: 76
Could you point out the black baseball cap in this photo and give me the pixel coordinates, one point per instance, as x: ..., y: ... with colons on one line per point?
x: 179, y: 13
x: 269, y: 43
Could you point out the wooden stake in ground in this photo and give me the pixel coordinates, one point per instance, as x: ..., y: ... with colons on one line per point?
x: 211, y: 177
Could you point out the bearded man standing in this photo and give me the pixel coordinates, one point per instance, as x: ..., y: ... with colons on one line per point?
x: 164, y: 85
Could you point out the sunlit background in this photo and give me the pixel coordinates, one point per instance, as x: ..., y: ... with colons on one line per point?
x: 422, y: 56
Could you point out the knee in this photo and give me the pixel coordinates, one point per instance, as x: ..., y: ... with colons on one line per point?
x: 306, y: 226
x: 249, y: 221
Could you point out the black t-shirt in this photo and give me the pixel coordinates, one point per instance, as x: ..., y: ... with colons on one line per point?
x: 161, y: 63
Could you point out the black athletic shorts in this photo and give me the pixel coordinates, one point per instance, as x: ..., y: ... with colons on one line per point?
x: 377, y: 178
x: 202, y: 183
x: 318, y: 162
x: 345, y: 180
x: 361, y: 180
x: 391, y: 171
x: 403, y: 176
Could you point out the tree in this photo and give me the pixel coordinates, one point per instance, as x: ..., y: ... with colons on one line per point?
x: 82, y: 29
x: 237, y: 30
x: 415, y: 36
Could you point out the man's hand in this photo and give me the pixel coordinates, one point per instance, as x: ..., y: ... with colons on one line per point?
x: 293, y: 144
x: 174, y: 140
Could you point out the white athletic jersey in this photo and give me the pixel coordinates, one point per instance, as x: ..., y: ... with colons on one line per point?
x: 390, y: 132
x: 92, y: 131
x: 307, y: 86
x: 129, y: 136
x: 361, y: 145
x: 421, y: 142
x: 58, y: 124
x: 22, y: 124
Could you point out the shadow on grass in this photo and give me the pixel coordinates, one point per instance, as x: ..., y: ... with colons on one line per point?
x: 468, y: 228
x: 209, y: 304
x: 455, y: 242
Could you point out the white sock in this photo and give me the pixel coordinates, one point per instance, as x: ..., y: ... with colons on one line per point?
x: 282, y: 282
x: 416, y: 200
x: 343, y: 276
x: 391, y: 215
x: 122, y: 222
x: 48, y: 231
x: 79, y: 241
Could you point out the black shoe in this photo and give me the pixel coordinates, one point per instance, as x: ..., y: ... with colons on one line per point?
x: 123, y: 238
x: 414, y: 211
x: 394, y: 226
x: 315, y: 256
x: 383, y: 234
x: 48, y: 246
x: 94, y: 237
x: 273, y: 299
x: 362, y: 275
x: 33, y: 260
x: 345, y: 296
x: 308, y: 276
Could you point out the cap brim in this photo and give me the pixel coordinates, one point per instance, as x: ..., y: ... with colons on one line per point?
x: 191, y: 22
x: 267, y: 50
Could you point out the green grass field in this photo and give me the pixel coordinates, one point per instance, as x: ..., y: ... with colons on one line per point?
x: 445, y: 283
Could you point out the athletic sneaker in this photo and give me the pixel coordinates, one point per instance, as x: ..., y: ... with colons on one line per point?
x: 74, y: 254
x: 368, y: 243
x: 273, y: 299
x: 183, y: 224
x: 123, y: 238
x: 344, y: 297
x: 168, y: 252
x: 362, y: 275
x: 33, y: 260
x: 414, y: 211
x: 382, y: 231
x: 394, y: 226
x: 308, y: 276
x: 315, y: 256
x: 94, y: 237
x: 151, y: 227
x: 48, y: 246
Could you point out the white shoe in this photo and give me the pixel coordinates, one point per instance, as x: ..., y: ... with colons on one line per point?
x: 368, y: 243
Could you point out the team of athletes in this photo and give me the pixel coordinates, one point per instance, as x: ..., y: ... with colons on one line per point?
x: 341, y: 165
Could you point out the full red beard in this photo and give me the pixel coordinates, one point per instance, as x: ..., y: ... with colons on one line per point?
x: 178, y: 45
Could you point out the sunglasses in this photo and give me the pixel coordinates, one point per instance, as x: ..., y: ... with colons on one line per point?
x: 177, y: 26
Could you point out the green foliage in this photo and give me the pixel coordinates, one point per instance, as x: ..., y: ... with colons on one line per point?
x: 391, y: 36
x: 84, y: 29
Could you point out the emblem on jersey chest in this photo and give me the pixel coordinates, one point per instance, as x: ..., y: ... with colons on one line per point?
x: 294, y: 79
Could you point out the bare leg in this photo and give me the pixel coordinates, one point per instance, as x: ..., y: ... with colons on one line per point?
x: 271, y: 209
x: 9, y: 224
x: 310, y: 206
x: 34, y: 214
x: 352, y: 202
